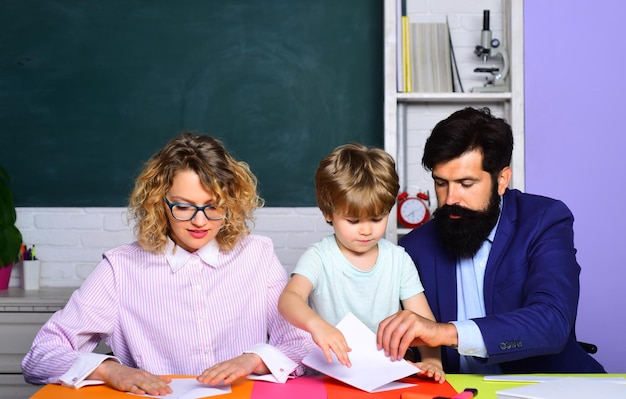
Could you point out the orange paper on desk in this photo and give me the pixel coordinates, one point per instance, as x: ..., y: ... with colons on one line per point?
x: 241, y: 389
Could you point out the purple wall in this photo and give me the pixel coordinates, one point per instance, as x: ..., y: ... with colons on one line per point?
x: 575, y: 149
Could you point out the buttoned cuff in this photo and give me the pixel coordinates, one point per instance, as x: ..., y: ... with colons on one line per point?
x: 471, y: 341
x: 279, y: 365
x: 83, y: 366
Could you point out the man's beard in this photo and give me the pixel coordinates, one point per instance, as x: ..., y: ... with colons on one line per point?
x: 464, y: 236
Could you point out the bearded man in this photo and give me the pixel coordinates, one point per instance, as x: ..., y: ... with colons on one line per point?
x: 498, y: 266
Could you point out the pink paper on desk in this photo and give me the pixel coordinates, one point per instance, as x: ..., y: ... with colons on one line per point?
x: 301, y: 388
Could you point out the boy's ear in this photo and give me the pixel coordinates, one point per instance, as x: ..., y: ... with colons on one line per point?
x: 329, y: 218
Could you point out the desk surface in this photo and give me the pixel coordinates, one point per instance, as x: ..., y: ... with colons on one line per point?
x: 316, y: 388
x: 310, y: 387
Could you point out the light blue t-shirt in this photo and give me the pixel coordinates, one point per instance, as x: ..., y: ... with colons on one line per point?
x: 340, y: 288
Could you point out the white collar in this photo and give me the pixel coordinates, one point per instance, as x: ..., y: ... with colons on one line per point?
x: 177, y: 256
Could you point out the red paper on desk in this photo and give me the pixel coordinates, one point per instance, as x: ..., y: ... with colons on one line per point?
x: 426, y: 389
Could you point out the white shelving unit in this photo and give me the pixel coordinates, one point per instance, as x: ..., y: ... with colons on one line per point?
x: 409, y: 117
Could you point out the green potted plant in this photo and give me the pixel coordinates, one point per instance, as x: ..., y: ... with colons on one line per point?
x: 10, y: 236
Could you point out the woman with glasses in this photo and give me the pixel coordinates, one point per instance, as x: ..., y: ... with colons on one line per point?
x: 196, y: 294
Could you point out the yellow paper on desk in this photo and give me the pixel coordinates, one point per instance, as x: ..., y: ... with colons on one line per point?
x: 567, y: 388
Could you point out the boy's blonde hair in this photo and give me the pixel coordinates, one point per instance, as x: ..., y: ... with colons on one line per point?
x: 357, y: 181
x: 230, y: 181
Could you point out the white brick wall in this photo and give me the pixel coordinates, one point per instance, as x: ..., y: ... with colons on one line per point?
x: 70, y: 241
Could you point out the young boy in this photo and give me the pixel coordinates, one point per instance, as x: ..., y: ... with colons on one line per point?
x: 355, y: 269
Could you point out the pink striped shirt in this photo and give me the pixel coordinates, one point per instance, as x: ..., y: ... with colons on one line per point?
x: 172, y: 313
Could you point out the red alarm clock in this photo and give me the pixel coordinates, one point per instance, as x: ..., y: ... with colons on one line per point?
x: 413, y: 209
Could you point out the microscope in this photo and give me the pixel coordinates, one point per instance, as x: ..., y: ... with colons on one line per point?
x: 495, y: 58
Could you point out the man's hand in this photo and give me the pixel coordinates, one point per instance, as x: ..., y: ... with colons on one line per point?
x: 405, y: 328
x: 128, y: 379
x: 229, y: 371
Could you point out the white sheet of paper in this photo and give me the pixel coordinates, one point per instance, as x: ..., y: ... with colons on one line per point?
x: 265, y: 377
x: 371, y: 370
x: 189, y: 388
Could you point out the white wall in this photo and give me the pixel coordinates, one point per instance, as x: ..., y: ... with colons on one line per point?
x: 70, y: 241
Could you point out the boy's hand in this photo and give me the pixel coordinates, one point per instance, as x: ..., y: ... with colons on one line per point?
x: 431, y: 370
x: 328, y: 338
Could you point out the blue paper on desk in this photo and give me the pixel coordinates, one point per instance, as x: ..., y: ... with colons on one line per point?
x: 371, y: 370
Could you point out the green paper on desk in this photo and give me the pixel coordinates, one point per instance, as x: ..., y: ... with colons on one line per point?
x: 567, y: 388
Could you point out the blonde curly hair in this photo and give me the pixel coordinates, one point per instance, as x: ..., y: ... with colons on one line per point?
x: 230, y: 181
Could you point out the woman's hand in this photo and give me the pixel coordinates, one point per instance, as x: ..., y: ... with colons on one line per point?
x: 128, y: 379
x: 230, y: 370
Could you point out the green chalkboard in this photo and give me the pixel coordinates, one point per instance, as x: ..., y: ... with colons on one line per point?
x: 89, y: 89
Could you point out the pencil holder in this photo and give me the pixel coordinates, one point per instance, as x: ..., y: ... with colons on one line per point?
x: 31, y: 269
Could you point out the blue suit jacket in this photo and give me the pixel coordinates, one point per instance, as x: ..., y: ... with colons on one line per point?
x: 531, y: 288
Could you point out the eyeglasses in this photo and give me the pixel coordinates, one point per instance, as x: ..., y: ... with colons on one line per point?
x: 182, y: 211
